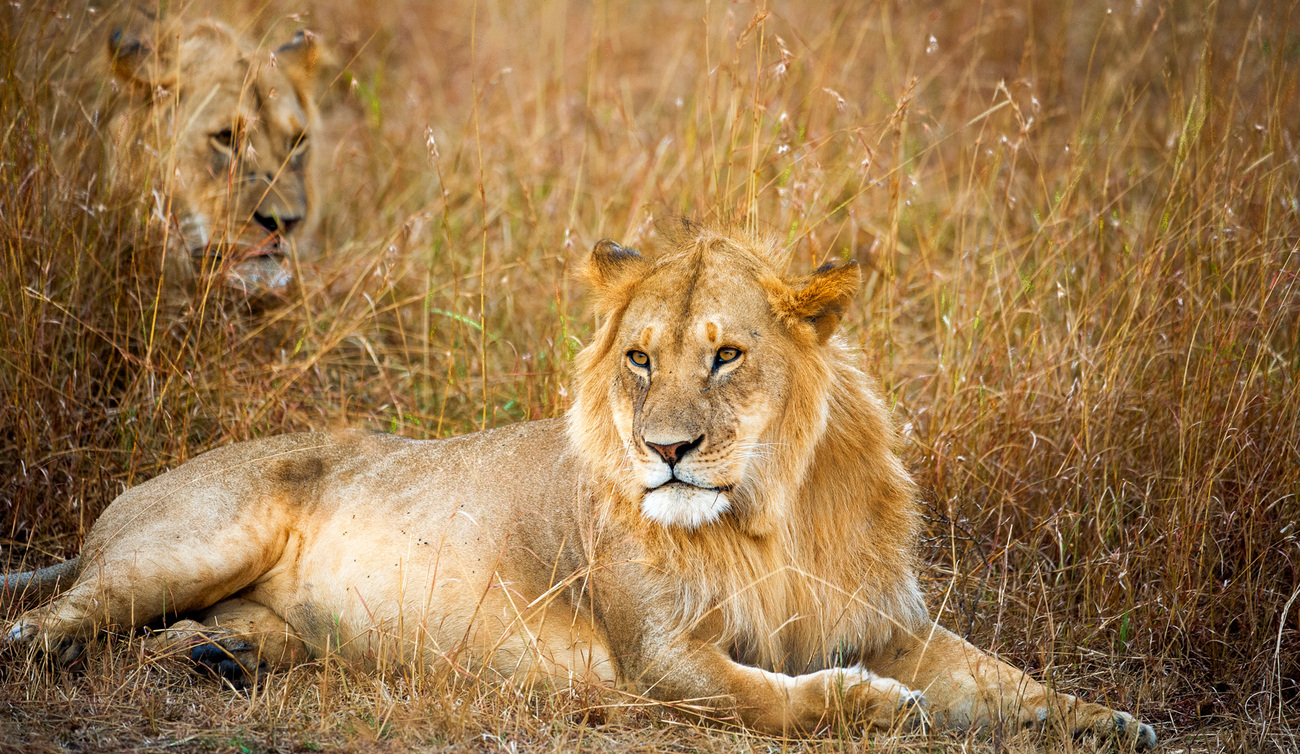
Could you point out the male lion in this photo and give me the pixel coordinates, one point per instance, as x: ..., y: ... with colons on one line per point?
x: 720, y: 519
x: 223, y: 130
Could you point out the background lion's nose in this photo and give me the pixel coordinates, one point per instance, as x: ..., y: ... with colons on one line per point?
x: 672, y: 452
x: 275, y: 223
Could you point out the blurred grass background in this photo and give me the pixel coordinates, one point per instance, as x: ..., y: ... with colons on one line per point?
x: 1079, y: 226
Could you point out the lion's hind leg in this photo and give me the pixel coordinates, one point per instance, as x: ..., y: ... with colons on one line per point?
x: 236, y: 639
x: 182, y: 542
x: 123, y: 589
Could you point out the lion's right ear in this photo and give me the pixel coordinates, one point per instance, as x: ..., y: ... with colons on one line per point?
x: 138, y: 61
x: 300, y: 58
x: 609, y: 271
x: 818, y: 300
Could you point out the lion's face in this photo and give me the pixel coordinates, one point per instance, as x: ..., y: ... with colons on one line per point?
x: 228, y: 129
x: 710, y: 371
x: 703, y: 373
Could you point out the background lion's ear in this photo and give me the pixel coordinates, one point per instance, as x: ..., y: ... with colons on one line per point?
x: 139, y: 60
x: 819, y: 299
x: 609, y: 270
x: 300, y: 59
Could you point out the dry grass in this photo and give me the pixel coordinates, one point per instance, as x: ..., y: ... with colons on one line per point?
x: 1079, y: 227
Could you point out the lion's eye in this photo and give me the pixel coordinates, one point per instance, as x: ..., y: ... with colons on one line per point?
x: 225, y: 137
x: 726, y: 355
x: 638, y: 359
x: 297, y: 142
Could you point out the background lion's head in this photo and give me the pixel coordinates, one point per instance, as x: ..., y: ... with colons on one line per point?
x: 223, y: 129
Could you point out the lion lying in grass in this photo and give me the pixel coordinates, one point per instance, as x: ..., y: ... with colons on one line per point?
x: 224, y: 129
x: 720, y: 519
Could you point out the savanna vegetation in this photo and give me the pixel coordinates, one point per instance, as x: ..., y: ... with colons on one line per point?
x: 1079, y: 226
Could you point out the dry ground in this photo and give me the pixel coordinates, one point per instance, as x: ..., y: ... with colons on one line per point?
x: 1079, y: 228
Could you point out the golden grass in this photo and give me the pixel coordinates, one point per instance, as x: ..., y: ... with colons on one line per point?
x: 1079, y: 228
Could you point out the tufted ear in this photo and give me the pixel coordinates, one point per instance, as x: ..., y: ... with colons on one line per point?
x: 300, y: 59
x: 819, y: 299
x: 609, y: 271
x: 139, y: 61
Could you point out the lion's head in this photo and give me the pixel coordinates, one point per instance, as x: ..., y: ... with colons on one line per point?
x: 707, y: 386
x: 221, y: 131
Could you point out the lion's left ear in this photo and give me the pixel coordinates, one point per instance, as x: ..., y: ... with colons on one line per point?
x: 609, y: 271
x: 300, y: 59
x: 138, y: 60
x: 819, y: 299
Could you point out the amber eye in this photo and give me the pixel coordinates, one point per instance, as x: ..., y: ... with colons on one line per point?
x: 297, y: 142
x: 225, y: 137
x: 726, y: 355
x: 638, y: 359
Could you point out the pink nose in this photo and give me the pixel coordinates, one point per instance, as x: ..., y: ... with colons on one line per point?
x: 672, y: 452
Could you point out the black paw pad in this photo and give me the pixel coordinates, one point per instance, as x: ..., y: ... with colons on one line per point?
x: 217, y: 660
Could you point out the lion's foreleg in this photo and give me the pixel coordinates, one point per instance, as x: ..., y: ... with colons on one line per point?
x: 965, y: 686
x: 701, y: 676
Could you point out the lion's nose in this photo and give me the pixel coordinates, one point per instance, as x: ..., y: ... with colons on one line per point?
x: 276, y: 223
x: 672, y: 452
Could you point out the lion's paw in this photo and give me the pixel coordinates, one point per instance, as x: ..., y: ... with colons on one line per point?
x: 230, y: 659
x: 22, y: 632
x: 1129, y: 731
x: 1093, y: 720
x: 912, y: 699
x: 212, y: 650
x: 886, y: 703
x: 64, y: 651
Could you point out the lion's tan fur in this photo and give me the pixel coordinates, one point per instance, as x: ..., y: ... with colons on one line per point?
x: 722, y: 518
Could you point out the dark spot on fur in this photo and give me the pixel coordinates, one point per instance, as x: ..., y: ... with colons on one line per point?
x: 300, y: 472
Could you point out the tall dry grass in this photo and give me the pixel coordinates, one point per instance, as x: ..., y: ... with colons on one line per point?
x: 1079, y: 227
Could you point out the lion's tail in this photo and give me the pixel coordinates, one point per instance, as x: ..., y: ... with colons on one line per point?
x: 38, y: 585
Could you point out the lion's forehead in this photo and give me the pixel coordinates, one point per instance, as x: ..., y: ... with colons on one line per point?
x: 229, y: 88
x: 262, y: 105
x: 676, y: 310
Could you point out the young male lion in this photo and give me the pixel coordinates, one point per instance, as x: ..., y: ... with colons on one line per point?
x: 221, y: 132
x: 720, y: 518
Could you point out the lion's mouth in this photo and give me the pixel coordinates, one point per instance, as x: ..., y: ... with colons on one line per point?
x: 678, y: 483
x: 269, y: 245
x: 266, y: 271
x: 252, y: 266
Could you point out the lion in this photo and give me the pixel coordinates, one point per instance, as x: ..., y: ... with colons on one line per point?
x: 225, y: 130
x: 719, y: 519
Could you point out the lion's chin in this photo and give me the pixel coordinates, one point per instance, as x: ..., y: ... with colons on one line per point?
x: 263, y: 274
x: 680, y: 504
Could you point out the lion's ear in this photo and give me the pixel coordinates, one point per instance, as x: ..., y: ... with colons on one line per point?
x: 609, y: 270
x: 139, y: 61
x: 819, y: 299
x: 300, y: 59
